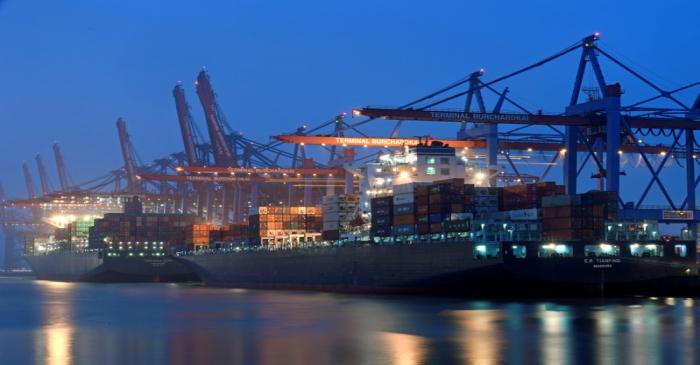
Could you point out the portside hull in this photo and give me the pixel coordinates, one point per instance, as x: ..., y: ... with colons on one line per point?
x: 68, y: 266
x: 444, y: 268
x: 90, y: 267
x: 393, y: 268
x: 152, y: 269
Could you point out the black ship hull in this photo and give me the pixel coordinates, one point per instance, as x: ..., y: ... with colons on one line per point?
x: 442, y: 268
x: 91, y: 267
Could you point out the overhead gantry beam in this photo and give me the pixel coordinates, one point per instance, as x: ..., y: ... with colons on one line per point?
x: 509, y: 145
x: 239, y: 179
x: 258, y: 170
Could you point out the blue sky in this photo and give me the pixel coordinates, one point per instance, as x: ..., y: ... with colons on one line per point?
x: 70, y: 69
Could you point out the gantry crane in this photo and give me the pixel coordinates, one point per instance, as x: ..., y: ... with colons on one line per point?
x: 133, y: 185
x: 61, y: 168
x: 43, y: 177
x: 28, y: 181
x: 194, y: 155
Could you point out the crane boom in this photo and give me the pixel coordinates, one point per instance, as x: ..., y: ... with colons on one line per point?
x: 127, y: 155
x: 510, y: 145
x: 186, y: 126
x: 222, y: 153
x: 28, y: 181
x: 61, y: 168
x: 43, y: 177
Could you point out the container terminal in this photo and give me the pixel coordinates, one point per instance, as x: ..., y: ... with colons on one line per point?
x: 329, y: 207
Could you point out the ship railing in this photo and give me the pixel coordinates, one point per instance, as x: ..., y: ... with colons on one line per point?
x: 56, y: 252
x: 307, y: 246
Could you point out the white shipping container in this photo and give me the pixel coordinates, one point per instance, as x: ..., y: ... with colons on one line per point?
x: 340, y: 208
x: 334, y: 216
x: 408, y: 188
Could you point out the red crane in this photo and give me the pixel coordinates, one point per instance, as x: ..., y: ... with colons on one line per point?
x: 61, y: 168
x: 43, y: 177
x: 128, y: 156
x: 188, y: 132
x: 28, y: 180
x: 222, y: 153
x: 186, y: 125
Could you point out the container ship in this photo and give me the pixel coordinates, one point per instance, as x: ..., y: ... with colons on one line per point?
x: 415, y: 231
x: 120, y: 247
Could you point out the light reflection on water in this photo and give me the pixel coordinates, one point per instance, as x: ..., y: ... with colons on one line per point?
x: 57, y: 324
x: 54, y: 340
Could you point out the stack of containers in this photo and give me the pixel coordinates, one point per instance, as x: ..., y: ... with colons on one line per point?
x: 421, y: 196
x: 382, y: 216
x: 525, y: 224
x: 469, y: 198
x: 485, y: 202
x: 313, y: 219
x: 405, y: 209
x: 526, y: 196
x: 282, y: 222
x: 338, y: 213
x: 236, y: 232
x: 149, y: 227
x: 197, y: 235
x: 446, y: 199
x: 80, y: 227
x: 578, y: 217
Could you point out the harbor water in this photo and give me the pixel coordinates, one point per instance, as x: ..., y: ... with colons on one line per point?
x: 43, y: 322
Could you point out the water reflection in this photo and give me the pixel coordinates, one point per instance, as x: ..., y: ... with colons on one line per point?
x: 555, y: 342
x: 54, y: 341
x: 157, y: 324
x: 480, y: 335
x: 403, y: 349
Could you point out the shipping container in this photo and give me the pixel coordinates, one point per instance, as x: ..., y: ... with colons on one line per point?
x: 382, y: 211
x: 404, y: 199
x: 404, y: 209
x: 404, y: 229
x: 404, y: 219
x: 423, y: 228
x: 381, y: 220
x: 462, y: 225
x: 381, y: 231
x: 383, y: 201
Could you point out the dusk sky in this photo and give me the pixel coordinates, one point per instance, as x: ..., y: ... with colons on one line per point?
x: 69, y: 69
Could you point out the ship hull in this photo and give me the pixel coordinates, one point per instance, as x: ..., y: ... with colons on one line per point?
x: 361, y: 268
x: 439, y: 268
x: 91, y: 267
x: 65, y: 266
